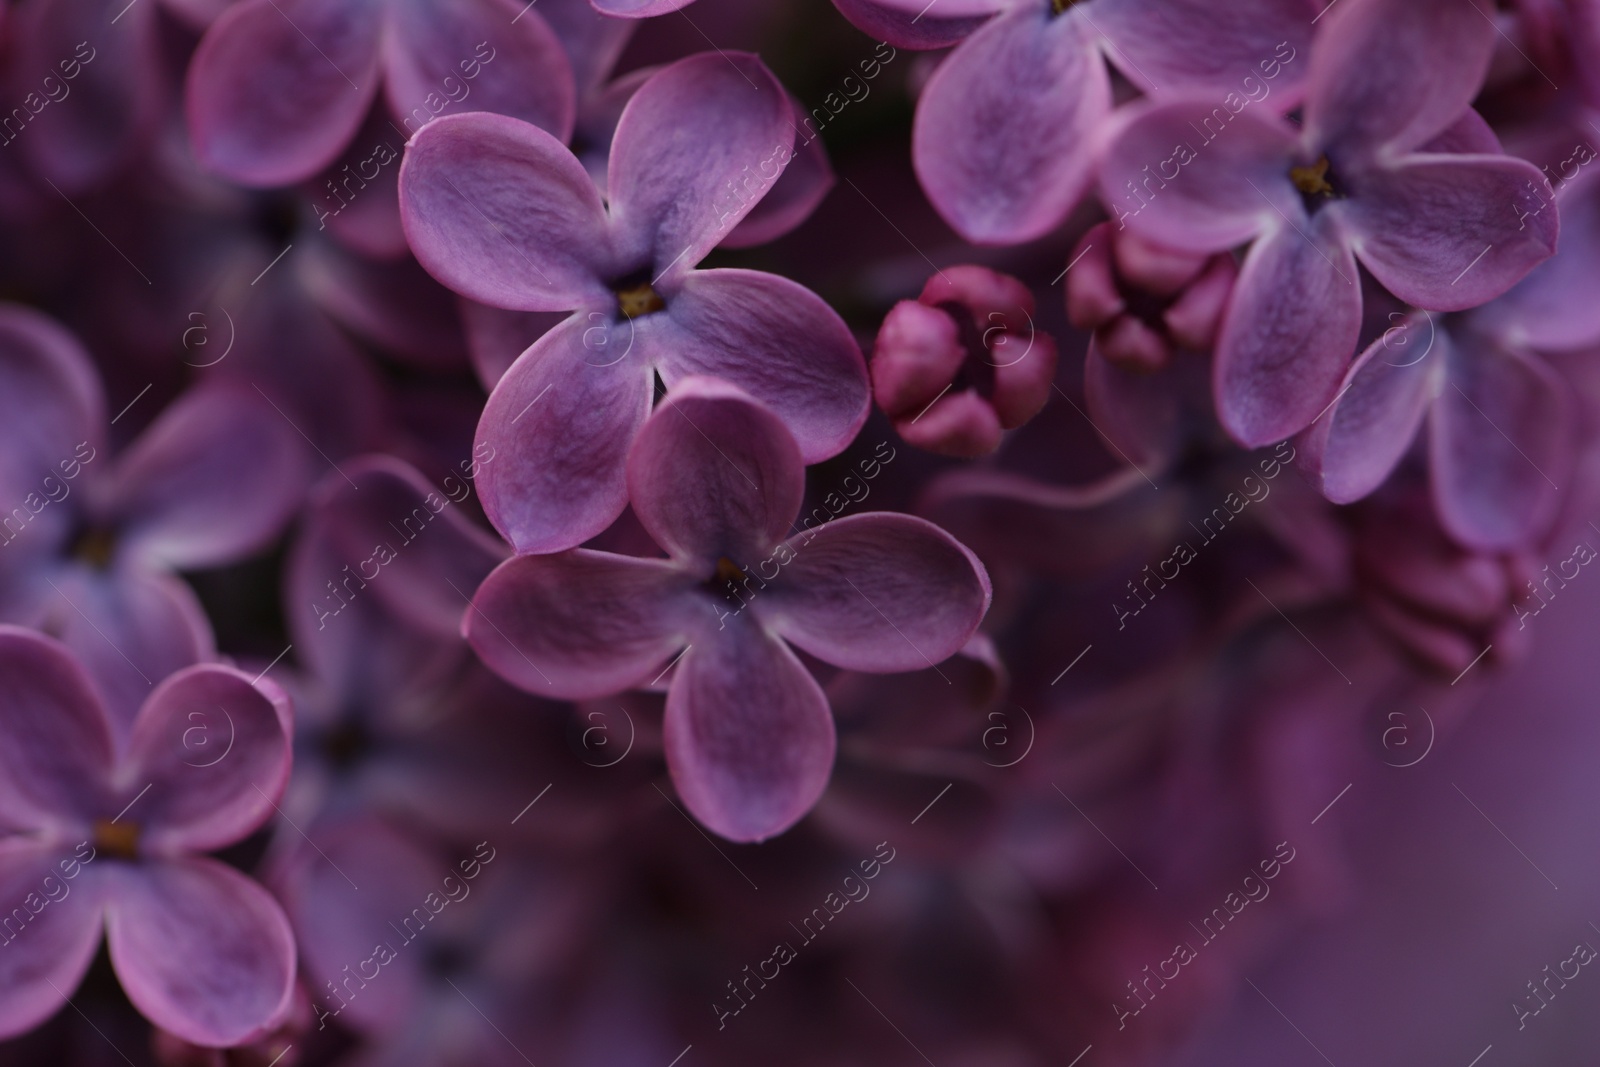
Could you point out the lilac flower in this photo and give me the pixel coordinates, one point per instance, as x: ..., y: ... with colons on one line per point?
x: 436, y: 934
x: 1501, y: 419
x: 88, y: 542
x: 278, y: 88
x: 716, y: 479
x: 963, y: 362
x: 1006, y: 130
x: 502, y: 213
x: 106, y: 834
x: 1391, y: 168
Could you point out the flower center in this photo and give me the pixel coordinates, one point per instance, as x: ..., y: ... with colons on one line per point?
x: 119, y: 840
x: 638, y: 299
x: 95, y: 545
x: 1314, y: 183
x: 728, y: 580
x: 1059, y: 7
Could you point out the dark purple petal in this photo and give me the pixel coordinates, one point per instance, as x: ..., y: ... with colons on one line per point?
x: 879, y: 592
x: 1452, y: 232
x: 583, y: 624
x: 922, y: 26
x: 1288, y: 334
x: 117, y: 94
x: 1501, y: 443
x: 779, y: 342
x: 407, y: 538
x: 593, y: 42
x: 1138, y: 413
x: 277, y: 87
x: 42, y: 963
x: 748, y: 734
x: 202, y: 951
x: 501, y: 212
x: 1005, y: 156
x: 340, y: 926
x: 213, y: 750
x: 55, y: 743
x: 394, y: 304
x: 54, y: 417
x: 1192, y: 175
x: 496, y: 337
x: 559, y: 424
x: 1354, y: 445
x: 696, y: 147
x: 476, y: 55
x: 1394, y: 73
x: 792, y: 198
x: 1255, y: 49
x: 213, y: 480
x: 713, y: 473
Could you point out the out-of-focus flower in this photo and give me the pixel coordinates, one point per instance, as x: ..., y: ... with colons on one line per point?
x: 105, y: 834
x: 1007, y: 129
x: 278, y: 88
x: 91, y: 541
x: 501, y: 212
x: 717, y: 479
x: 1391, y: 168
x: 963, y: 362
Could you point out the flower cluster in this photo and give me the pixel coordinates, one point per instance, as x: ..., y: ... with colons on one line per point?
x: 446, y: 429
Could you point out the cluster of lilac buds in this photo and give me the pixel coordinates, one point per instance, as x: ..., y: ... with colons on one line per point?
x: 680, y: 533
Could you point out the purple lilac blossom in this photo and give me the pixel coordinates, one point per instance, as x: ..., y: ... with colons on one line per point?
x: 717, y: 480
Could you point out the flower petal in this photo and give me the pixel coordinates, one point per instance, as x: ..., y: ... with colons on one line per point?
x: 1448, y: 233
x: 748, y: 734
x: 792, y: 198
x: 904, y: 26
x: 1192, y: 175
x: 1394, y: 72
x: 53, y: 411
x: 1501, y: 441
x: 430, y: 48
x: 500, y: 211
x: 1288, y: 333
x: 559, y: 424
x: 1162, y: 45
x: 1552, y: 308
x: 277, y: 87
x: 202, y: 951
x: 129, y: 628
x: 689, y: 134
x: 779, y: 342
x: 55, y: 743
x: 42, y: 962
x: 1005, y: 156
x: 213, y: 480
x: 714, y: 473
x: 213, y: 750
x: 581, y: 624
x: 339, y: 926
x: 1354, y: 446
x: 638, y: 9
x: 593, y: 42
x: 118, y: 90
x: 384, y: 525
x: 880, y: 592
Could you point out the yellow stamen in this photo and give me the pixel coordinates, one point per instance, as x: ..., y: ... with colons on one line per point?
x: 1312, y: 180
x: 641, y: 299
x: 117, y: 839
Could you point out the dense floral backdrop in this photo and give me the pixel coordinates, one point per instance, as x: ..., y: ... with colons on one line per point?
x: 651, y: 532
